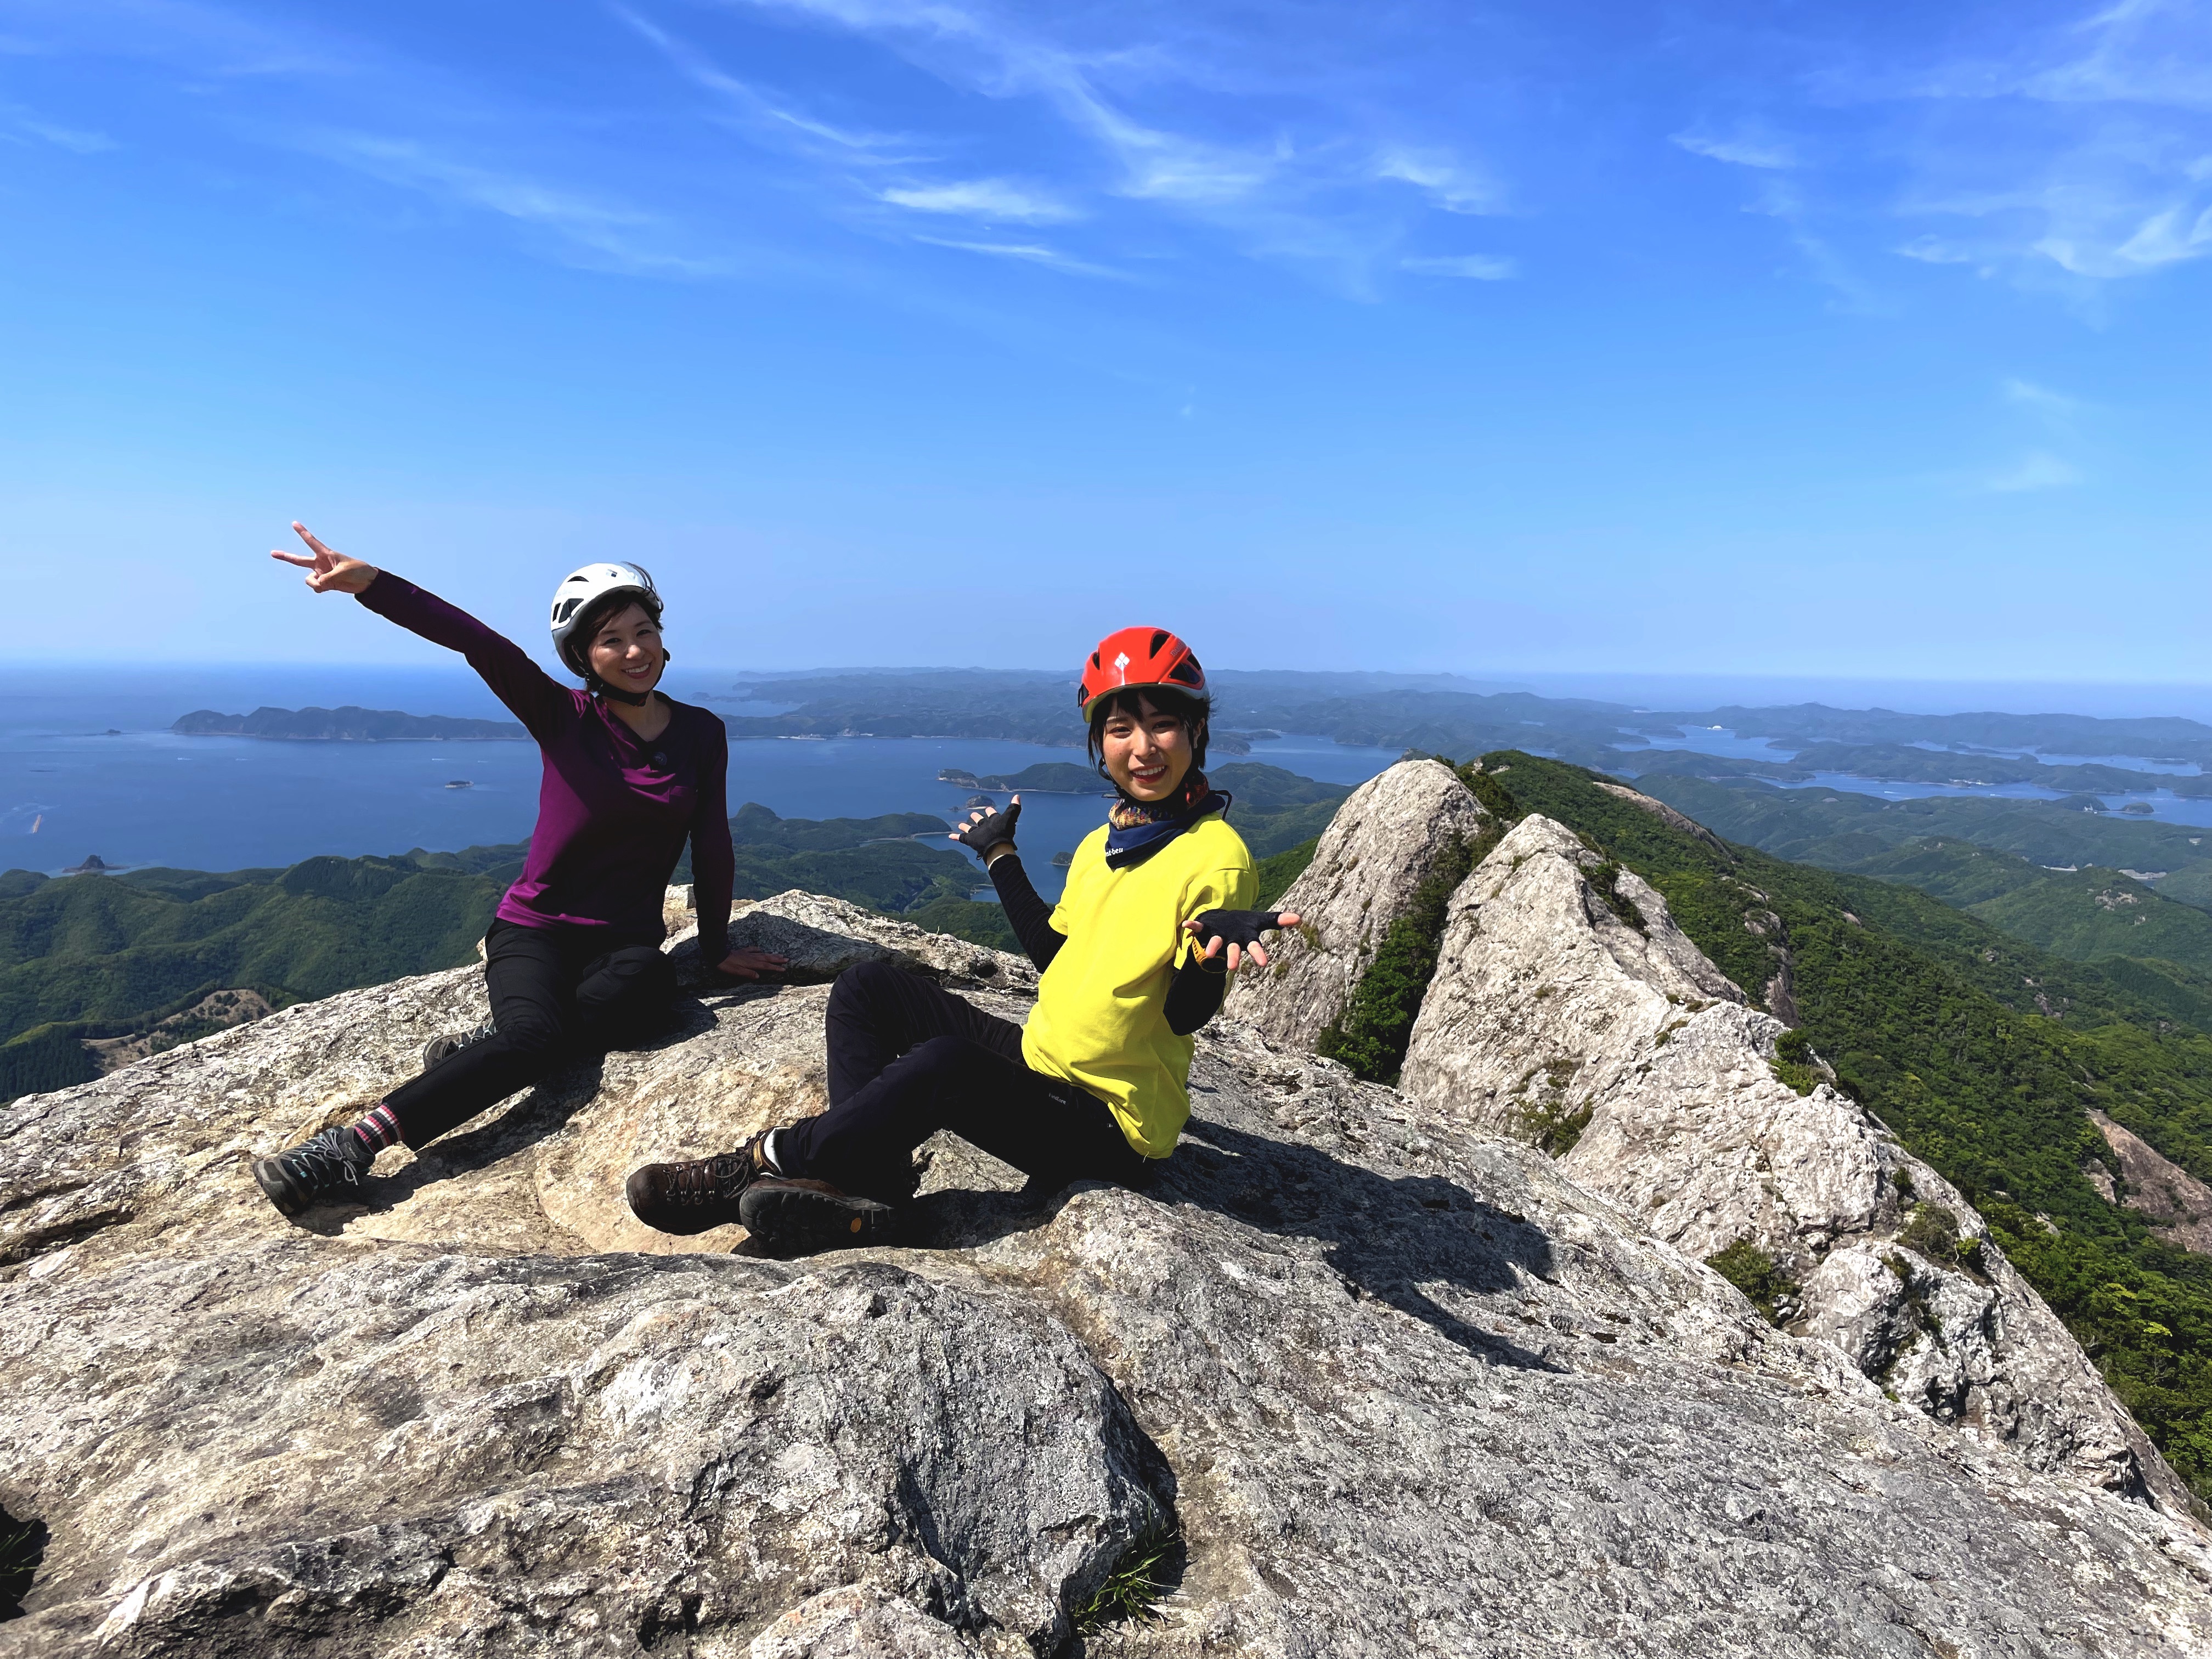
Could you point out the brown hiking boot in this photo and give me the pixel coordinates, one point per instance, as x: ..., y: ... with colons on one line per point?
x: 694, y: 1196
x: 803, y: 1217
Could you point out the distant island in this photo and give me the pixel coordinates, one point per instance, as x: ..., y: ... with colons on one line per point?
x: 347, y: 725
x: 1045, y: 778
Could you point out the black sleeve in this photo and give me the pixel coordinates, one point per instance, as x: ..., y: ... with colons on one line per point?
x: 1194, y: 996
x: 1030, y: 915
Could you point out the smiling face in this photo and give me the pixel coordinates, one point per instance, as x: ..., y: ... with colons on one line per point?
x: 626, y: 651
x: 1146, y: 750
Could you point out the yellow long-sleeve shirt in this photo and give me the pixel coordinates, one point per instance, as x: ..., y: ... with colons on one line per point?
x: 1101, y: 1016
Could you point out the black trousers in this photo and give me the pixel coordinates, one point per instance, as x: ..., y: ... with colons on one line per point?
x: 907, y: 1060
x: 555, y: 992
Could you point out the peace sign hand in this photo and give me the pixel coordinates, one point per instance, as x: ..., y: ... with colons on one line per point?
x: 328, y: 571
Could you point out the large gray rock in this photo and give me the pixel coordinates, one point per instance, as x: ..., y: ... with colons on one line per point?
x: 1390, y: 836
x: 1614, y: 1041
x: 822, y: 937
x: 1405, y: 1388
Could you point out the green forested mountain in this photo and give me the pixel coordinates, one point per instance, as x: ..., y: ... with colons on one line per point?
x: 1842, y: 829
x: 1983, y: 1053
x: 87, y: 957
x: 2087, y: 915
x: 96, y: 957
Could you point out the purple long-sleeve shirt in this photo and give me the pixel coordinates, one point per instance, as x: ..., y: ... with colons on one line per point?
x: 613, y: 809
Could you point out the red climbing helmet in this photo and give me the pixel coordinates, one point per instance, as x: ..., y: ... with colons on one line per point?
x: 1137, y: 656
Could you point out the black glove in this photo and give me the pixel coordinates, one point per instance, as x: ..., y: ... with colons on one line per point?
x: 989, y: 829
x: 1241, y: 928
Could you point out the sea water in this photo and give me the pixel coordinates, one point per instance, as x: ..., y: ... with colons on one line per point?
x: 93, y: 769
x: 2165, y: 806
x: 88, y: 765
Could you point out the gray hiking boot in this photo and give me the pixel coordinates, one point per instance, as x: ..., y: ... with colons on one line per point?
x: 326, y: 1167
x: 441, y: 1048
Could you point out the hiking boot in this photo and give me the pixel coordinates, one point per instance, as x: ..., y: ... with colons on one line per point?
x: 788, y: 1217
x: 442, y: 1048
x: 329, y: 1166
x: 694, y: 1196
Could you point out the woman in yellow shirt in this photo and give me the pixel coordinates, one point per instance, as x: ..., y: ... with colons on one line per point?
x: 1134, y: 958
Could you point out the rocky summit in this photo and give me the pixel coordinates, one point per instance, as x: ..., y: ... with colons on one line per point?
x: 1367, y: 1371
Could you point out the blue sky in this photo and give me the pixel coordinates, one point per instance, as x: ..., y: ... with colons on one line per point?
x: 1693, y: 338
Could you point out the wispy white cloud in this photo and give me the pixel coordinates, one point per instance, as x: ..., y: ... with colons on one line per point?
x: 1455, y: 187
x: 993, y: 200
x: 628, y: 238
x: 1935, y: 250
x: 771, y: 113
x: 2040, y: 400
x: 2038, y: 469
x: 1317, y: 190
x: 1767, y: 154
x: 1476, y: 267
x: 1781, y: 199
x: 22, y: 124
x: 2167, y: 238
x: 2077, y: 156
x: 1033, y: 254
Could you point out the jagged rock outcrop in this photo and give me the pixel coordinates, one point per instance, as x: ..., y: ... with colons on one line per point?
x: 1392, y: 834
x: 1403, y: 1386
x: 1596, y: 1029
x: 822, y: 937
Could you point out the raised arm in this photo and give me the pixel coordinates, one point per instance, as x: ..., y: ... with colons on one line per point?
x: 537, y: 700
x: 989, y: 835
x: 1027, y: 913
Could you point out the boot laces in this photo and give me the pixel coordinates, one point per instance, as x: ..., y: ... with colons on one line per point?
x: 324, y: 1161
x: 714, y: 1180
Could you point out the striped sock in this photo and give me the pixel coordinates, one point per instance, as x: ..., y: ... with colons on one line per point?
x: 380, y: 1128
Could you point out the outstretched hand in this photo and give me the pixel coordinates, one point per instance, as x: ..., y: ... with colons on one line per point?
x: 987, y: 828
x: 328, y: 571
x: 1237, y: 934
x: 749, y: 963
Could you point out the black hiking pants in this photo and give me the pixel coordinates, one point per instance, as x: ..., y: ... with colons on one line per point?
x: 907, y: 1060
x: 555, y: 992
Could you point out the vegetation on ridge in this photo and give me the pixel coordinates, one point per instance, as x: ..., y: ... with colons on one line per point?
x: 1370, y: 1033
x: 1983, y: 1054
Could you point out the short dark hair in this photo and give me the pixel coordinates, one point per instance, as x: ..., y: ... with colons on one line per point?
x: 1193, y: 709
x: 577, y: 646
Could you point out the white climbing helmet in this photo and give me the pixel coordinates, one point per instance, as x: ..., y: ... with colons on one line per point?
x: 581, y: 589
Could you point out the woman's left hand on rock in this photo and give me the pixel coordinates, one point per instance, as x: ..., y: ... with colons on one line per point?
x: 749, y: 963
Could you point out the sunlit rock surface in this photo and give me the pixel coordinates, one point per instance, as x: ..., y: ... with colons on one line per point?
x: 1404, y: 1387
x: 1555, y: 1018
x: 1390, y: 835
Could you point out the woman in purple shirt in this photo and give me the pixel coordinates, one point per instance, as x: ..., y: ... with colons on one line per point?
x: 574, y: 958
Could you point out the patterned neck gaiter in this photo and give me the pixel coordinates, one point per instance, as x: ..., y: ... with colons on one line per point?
x: 1137, y: 828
